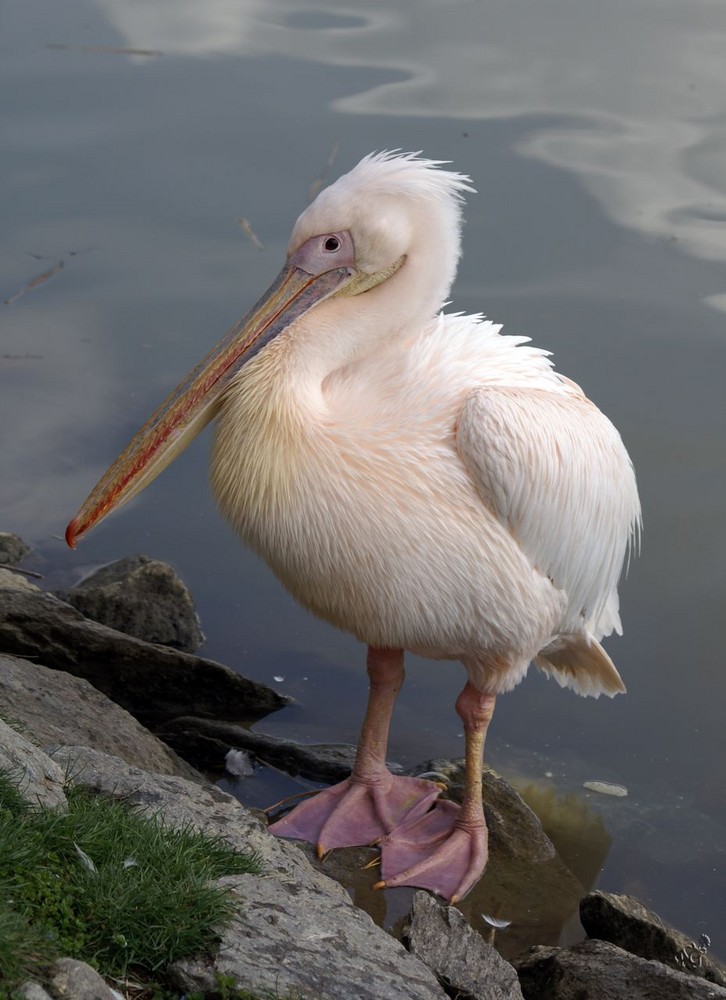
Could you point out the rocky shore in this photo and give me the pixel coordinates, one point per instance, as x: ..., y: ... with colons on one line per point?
x: 88, y: 685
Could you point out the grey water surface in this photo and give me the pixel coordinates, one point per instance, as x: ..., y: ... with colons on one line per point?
x: 134, y: 136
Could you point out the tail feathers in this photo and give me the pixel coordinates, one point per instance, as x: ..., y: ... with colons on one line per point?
x: 579, y: 662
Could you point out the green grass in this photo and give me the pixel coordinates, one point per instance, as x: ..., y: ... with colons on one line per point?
x: 144, y: 899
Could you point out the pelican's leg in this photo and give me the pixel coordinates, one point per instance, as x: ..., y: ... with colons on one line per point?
x: 446, y: 850
x: 372, y: 802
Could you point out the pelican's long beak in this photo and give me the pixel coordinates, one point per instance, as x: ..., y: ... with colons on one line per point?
x: 190, y: 407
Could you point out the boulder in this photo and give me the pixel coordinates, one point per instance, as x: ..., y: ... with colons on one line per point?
x: 624, y: 921
x: 143, y: 597
x: 53, y: 707
x: 148, y: 680
x: 597, y: 970
x: 39, y: 779
x: 465, y: 965
x: 74, y: 980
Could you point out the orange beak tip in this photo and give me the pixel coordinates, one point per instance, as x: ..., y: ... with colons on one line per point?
x: 71, y: 534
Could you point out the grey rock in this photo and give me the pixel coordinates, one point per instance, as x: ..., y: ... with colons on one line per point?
x: 12, y: 548
x: 290, y: 938
x: 14, y: 580
x: 148, y: 680
x: 53, y: 707
x: 624, y: 921
x: 143, y: 597
x: 74, y: 980
x: 33, y: 991
x: 465, y: 965
x: 597, y: 970
x: 39, y: 779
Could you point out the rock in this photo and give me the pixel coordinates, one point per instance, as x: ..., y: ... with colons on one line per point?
x: 39, y: 779
x: 624, y: 921
x: 53, y: 707
x: 14, y: 580
x: 295, y: 927
x: 12, y: 548
x: 73, y: 980
x: 289, y: 938
x: 465, y: 965
x: 209, y: 740
x: 33, y: 991
x: 147, y: 680
x: 143, y: 597
x: 597, y: 970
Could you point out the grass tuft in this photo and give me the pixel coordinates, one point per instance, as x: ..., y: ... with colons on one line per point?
x: 106, y: 885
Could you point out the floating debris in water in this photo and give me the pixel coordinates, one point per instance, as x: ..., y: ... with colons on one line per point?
x: 495, y: 922
x: 606, y: 788
x: 238, y: 762
x: 247, y: 229
x: 35, y: 282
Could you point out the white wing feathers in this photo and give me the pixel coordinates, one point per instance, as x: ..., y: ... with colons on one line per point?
x: 554, y: 470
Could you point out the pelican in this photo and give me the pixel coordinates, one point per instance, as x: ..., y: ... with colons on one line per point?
x: 413, y: 477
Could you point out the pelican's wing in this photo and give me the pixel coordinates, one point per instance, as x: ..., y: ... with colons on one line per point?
x: 555, y: 471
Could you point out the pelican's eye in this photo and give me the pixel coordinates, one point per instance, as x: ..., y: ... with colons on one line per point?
x: 332, y: 244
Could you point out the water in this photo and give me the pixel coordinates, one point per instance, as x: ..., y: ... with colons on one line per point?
x: 595, y: 135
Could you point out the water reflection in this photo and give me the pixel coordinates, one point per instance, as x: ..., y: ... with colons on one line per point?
x: 646, y: 133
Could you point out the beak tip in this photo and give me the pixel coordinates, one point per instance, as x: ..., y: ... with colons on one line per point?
x: 72, y: 534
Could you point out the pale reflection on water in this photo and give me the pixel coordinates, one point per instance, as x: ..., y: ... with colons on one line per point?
x: 595, y: 136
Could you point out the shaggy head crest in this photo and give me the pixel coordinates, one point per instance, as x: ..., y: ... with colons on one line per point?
x: 406, y: 175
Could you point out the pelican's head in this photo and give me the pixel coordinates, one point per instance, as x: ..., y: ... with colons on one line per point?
x: 390, y: 228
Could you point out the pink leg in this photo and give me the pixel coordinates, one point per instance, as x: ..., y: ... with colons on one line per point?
x: 446, y: 850
x: 372, y: 802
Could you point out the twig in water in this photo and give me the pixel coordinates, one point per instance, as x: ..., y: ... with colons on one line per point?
x: 35, y: 282
x: 249, y: 232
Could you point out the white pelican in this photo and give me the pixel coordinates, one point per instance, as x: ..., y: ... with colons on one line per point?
x: 413, y: 477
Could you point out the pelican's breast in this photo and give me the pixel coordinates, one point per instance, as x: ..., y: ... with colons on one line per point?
x: 362, y: 508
